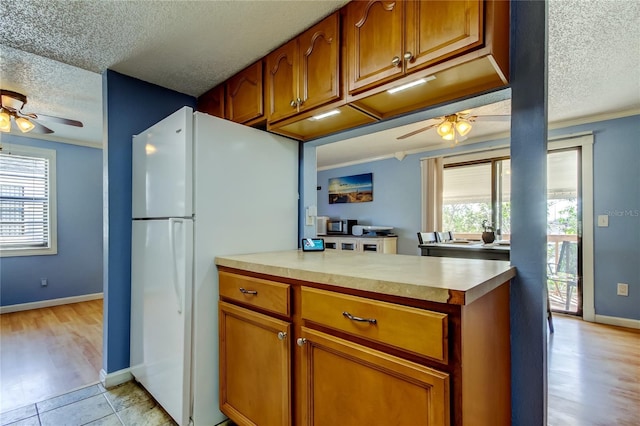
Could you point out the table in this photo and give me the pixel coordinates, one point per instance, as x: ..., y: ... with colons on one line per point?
x: 467, y: 250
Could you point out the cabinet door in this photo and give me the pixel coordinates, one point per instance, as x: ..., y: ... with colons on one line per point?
x: 371, y: 245
x: 344, y: 383
x: 282, y: 81
x: 438, y: 30
x: 212, y: 102
x: 244, y: 95
x: 374, y: 38
x: 320, y: 63
x: 255, y: 367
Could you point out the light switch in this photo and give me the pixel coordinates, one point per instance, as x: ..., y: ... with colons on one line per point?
x: 603, y: 220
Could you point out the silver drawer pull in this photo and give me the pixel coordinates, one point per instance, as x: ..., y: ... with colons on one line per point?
x: 301, y: 341
x: 244, y: 291
x: 282, y: 335
x: 351, y: 317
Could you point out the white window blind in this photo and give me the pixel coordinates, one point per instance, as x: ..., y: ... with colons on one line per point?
x: 25, y: 204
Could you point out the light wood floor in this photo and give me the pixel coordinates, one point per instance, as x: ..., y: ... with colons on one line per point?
x: 49, y: 351
x: 594, y: 369
x: 594, y: 374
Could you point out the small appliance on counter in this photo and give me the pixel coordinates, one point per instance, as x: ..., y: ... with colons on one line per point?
x: 340, y: 226
x: 321, y: 225
x: 371, y: 230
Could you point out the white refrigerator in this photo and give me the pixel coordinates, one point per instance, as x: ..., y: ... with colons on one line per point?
x: 202, y: 187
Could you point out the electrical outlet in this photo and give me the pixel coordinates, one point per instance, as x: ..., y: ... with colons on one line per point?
x: 623, y: 289
x: 44, y: 282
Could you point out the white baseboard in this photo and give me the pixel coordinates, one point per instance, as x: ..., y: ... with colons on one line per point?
x: 49, y: 303
x: 620, y: 322
x: 116, y: 378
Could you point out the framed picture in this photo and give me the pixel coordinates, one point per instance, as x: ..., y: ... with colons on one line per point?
x: 351, y: 189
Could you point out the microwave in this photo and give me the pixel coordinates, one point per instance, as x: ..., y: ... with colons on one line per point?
x: 340, y: 226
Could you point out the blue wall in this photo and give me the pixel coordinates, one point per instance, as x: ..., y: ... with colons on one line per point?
x: 616, y: 192
x: 396, y: 198
x: 77, y: 267
x: 130, y: 106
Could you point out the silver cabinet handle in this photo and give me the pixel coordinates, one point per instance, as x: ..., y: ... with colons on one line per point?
x: 408, y: 56
x: 299, y: 101
x: 244, y: 291
x: 301, y: 341
x: 293, y: 103
x: 352, y: 318
x: 282, y: 335
x: 395, y: 61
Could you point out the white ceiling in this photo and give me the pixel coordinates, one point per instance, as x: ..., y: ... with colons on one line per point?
x: 54, y: 52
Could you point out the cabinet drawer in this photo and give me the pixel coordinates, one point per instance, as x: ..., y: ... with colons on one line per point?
x: 416, y: 330
x: 268, y: 295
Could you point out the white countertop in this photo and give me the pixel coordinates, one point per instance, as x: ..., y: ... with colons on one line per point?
x: 436, y: 279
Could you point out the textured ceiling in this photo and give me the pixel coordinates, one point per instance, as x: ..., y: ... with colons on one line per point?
x: 188, y: 46
x: 54, y: 51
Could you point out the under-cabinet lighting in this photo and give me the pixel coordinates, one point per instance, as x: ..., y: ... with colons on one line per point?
x: 412, y: 84
x: 325, y: 115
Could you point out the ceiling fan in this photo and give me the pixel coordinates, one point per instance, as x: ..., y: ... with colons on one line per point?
x: 455, y: 127
x: 11, y: 104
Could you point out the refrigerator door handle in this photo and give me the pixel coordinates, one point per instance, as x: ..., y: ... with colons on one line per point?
x: 174, y: 260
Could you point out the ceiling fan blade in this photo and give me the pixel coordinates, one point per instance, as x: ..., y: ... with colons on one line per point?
x: 54, y: 119
x: 490, y: 117
x: 39, y: 128
x: 415, y: 132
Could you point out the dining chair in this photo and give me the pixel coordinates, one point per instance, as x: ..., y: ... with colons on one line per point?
x: 427, y: 238
x: 443, y: 237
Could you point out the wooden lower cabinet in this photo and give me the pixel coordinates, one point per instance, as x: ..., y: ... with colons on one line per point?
x: 360, y: 358
x: 344, y: 383
x: 255, y: 367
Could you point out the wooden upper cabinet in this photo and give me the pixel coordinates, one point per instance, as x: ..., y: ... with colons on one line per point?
x: 244, y: 102
x: 305, y: 72
x: 319, y: 71
x: 437, y: 30
x: 212, y: 102
x: 282, y: 81
x: 387, y: 39
x: 374, y: 42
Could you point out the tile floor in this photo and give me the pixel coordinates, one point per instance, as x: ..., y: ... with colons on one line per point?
x: 127, y: 404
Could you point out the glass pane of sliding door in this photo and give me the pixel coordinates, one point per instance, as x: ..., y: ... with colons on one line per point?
x: 563, y: 231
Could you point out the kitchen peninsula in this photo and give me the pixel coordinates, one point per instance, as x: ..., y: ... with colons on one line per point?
x: 364, y: 338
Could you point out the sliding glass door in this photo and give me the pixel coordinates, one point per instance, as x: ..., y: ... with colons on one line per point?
x: 564, y: 219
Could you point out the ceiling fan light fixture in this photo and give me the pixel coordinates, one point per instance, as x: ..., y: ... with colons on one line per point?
x: 463, y: 127
x: 445, y: 128
x: 5, y: 121
x: 450, y: 135
x: 24, y: 124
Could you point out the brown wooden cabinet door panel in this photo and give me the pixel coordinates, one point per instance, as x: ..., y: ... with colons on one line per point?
x: 255, y: 367
x: 374, y: 37
x: 320, y: 63
x: 437, y: 30
x: 348, y: 384
x: 282, y: 81
x: 244, y: 94
x: 212, y: 102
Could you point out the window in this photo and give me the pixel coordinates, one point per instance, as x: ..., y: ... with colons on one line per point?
x: 476, y: 192
x: 27, y: 202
